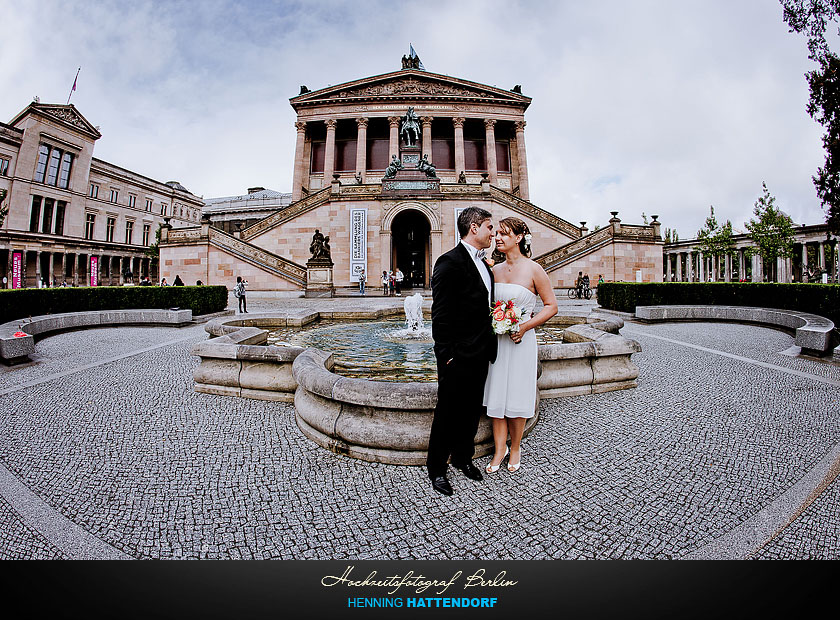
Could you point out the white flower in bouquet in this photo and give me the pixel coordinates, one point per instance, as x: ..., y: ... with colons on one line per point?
x: 505, y: 317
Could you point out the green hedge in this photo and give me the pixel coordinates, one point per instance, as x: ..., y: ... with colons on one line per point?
x: 820, y: 299
x: 15, y: 304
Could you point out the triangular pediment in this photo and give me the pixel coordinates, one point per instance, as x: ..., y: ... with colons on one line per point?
x: 67, y: 115
x: 407, y: 84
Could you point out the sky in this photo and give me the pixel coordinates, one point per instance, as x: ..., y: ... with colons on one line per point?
x: 662, y: 107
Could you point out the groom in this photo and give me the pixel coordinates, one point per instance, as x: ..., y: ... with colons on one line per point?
x: 462, y: 293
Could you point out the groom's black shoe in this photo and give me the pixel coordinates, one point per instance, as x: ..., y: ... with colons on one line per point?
x: 470, y: 471
x: 441, y: 485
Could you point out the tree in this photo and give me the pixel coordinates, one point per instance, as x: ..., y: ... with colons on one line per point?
x: 812, y: 18
x: 771, y: 229
x: 715, y: 240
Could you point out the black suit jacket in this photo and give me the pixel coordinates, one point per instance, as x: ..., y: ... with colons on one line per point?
x: 461, y: 326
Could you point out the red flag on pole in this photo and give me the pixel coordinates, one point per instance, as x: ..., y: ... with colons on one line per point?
x: 72, y: 90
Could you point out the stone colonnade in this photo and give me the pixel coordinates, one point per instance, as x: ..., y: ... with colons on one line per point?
x: 51, y: 268
x: 301, y: 165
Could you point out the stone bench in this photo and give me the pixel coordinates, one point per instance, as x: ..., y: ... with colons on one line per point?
x: 17, y: 349
x: 814, y: 334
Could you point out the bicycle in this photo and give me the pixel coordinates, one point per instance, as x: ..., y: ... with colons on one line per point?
x: 585, y: 293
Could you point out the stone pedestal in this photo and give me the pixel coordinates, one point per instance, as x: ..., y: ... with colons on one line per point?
x: 319, y: 278
x: 409, y: 181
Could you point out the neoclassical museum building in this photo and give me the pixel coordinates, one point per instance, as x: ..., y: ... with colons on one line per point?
x: 70, y: 217
x: 383, y: 166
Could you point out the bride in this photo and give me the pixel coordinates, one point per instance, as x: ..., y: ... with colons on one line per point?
x: 511, y: 389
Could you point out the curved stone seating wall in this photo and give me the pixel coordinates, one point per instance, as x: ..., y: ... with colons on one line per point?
x: 813, y: 334
x: 16, y: 350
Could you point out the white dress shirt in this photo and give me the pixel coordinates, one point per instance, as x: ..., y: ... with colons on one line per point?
x: 479, y: 264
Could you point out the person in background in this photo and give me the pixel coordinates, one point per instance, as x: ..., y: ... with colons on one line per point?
x: 362, y: 278
x: 239, y: 293
x: 163, y: 282
x: 398, y: 280
x: 178, y: 281
x: 392, y: 284
x: 385, y: 283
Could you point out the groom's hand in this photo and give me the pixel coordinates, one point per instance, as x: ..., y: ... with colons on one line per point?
x: 515, y: 336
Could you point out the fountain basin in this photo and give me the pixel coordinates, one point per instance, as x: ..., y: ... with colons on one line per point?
x: 380, y: 421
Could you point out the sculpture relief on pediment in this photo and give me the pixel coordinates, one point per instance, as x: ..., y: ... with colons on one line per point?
x: 68, y: 116
x: 409, y: 87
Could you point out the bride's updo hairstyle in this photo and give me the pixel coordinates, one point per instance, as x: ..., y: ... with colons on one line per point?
x: 518, y: 227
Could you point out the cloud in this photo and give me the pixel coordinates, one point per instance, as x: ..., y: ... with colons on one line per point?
x: 652, y: 107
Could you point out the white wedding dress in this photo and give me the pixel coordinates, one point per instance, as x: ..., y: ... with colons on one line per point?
x: 511, y: 388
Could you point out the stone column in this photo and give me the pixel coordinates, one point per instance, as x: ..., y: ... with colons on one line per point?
x: 804, y: 262
x: 9, y: 268
x: 742, y: 266
x: 524, y: 192
x: 50, y: 268
x: 679, y: 266
x: 700, y: 266
x: 122, y: 270
x: 690, y: 270
x: 394, y: 139
x: 37, y: 268
x: 667, y: 267
x: 63, y: 267
x: 490, y: 146
x: 458, y: 124
x: 427, y: 136
x: 329, y: 154
x: 76, y: 269
x: 361, y: 147
x: 822, y: 255
x: 301, y: 166
x: 728, y: 276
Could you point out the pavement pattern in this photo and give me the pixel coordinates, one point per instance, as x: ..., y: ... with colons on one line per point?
x: 728, y: 447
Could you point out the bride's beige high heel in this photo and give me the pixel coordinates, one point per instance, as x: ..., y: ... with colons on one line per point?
x: 514, y: 468
x: 492, y: 469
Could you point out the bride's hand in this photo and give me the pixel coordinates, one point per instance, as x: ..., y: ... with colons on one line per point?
x: 515, y: 336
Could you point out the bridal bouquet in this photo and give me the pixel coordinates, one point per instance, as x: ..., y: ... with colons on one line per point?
x: 506, y: 317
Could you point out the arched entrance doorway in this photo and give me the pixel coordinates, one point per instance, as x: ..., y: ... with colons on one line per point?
x: 411, y: 245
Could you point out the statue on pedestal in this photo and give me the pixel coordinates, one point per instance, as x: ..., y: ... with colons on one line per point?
x: 424, y: 165
x: 410, y: 125
x: 320, y: 246
x: 393, y: 167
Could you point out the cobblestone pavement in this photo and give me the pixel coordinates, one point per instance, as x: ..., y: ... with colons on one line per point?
x: 107, y: 433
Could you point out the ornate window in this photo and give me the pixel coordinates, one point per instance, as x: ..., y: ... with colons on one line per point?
x: 60, y: 208
x: 46, y: 225
x: 41, y: 168
x: 129, y: 229
x: 94, y: 190
x: 109, y: 228
x: 52, y: 169
x: 115, y: 195
x: 146, y: 231
x: 90, y: 221
x: 35, y: 214
x: 4, y: 167
x: 132, y: 200
x: 148, y: 204
x: 66, y: 164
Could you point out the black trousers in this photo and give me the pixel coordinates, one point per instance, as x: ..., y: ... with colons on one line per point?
x: 457, y: 414
x: 243, y: 305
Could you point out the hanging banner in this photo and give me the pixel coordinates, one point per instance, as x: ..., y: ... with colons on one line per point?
x: 17, y: 269
x: 94, y: 271
x: 358, y: 243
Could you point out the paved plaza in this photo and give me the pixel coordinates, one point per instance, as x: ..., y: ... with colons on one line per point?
x: 728, y: 448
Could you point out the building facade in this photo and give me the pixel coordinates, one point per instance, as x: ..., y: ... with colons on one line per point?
x: 379, y: 219
x: 70, y: 217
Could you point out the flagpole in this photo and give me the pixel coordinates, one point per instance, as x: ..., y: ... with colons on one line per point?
x: 74, y: 86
